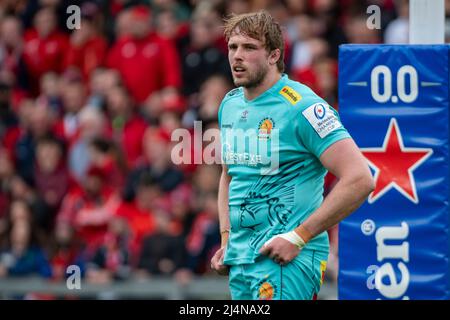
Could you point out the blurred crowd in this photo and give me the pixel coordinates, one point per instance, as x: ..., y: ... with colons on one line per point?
x: 86, y: 117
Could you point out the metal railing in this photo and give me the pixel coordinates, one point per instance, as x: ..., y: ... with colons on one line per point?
x: 201, y: 288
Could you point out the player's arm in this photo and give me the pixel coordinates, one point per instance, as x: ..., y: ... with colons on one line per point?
x: 224, y: 222
x: 355, y: 183
x: 224, y: 214
x: 344, y: 160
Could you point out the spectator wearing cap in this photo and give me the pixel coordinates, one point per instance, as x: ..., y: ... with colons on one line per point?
x: 45, y: 47
x: 87, y: 48
x: 146, y: 62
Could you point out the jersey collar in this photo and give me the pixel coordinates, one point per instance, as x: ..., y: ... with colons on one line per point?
x: 274, y: 89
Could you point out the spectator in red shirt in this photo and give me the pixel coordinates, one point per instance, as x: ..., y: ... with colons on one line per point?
x: 89, y: 209
x: 87, y: 48
x: 139, y: 213
x: 66, y: 250
x: 111, y: 261
x: 107, y: 156
x: 45, y: 47
x: 147, y: 62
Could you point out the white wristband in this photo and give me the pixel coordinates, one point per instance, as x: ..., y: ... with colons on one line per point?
x: 292, y: 237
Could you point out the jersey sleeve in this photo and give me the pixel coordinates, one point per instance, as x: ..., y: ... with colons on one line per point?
x: 320, y: 127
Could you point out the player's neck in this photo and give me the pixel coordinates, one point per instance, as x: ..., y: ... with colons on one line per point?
x: 268, y: 82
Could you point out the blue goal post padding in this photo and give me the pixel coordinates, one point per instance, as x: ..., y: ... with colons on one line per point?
x: 394, y: 101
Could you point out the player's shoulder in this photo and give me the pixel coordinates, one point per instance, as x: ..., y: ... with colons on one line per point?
x: 298, y: 96
x: 235, y: 93
x: 294, y: 94
x: 231, y: 98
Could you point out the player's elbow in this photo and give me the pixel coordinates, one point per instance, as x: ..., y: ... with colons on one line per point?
x: 365, y: 184
x: 360, y: 182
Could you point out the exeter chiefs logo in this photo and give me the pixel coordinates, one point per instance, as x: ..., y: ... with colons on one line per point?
x: 267, y: 290
x: 265, y: 128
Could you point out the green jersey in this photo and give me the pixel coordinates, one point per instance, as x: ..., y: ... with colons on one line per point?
x: 271, y: 146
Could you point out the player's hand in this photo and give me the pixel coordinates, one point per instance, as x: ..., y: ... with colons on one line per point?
x: 217, y: 262
x: 282, y: 248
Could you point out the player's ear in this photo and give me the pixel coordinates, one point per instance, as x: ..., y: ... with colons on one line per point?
x: 274, y: 56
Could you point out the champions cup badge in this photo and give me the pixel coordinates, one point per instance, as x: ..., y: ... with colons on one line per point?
x: 265, y: 128
x: 320, y: 111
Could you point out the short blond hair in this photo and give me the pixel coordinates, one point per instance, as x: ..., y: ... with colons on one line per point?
x: 260, y: 26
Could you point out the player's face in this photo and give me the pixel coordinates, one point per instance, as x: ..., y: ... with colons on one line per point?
x: 249, y: 60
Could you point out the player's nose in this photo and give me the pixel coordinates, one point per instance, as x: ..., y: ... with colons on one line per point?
x: 238, y: 54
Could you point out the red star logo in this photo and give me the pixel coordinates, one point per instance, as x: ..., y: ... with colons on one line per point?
x: 394, y: 165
